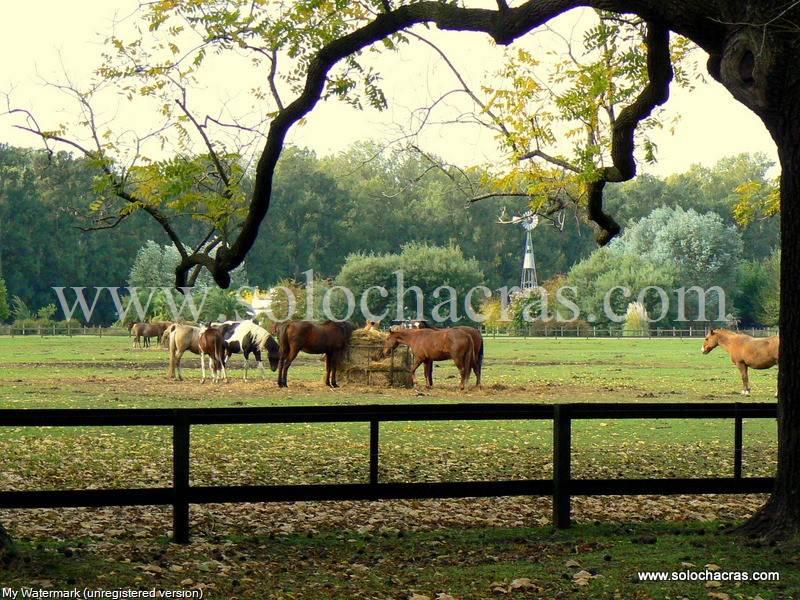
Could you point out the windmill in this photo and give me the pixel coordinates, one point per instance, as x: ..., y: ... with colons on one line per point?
x: 529, y: 220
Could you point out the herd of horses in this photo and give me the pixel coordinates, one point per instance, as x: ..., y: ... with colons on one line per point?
x: 217, y: 342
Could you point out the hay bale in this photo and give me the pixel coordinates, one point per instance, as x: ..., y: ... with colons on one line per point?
x: 363, y: 364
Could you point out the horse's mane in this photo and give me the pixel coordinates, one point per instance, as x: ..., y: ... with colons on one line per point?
x: 258, y: 334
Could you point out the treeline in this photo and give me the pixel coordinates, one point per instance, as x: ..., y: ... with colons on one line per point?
x: 324, y: 209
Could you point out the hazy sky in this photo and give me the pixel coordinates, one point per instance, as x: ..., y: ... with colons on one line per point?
x: 37, y: 36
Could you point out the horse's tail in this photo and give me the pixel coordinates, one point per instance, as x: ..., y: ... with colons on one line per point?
x: 479, y: 360
x: 219, y: 351
x: 469, y: 357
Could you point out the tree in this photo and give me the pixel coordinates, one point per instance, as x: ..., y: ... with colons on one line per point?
x: 426, y: 267
x: 752, y: 47
x: 703, y: 250
x: 5, y: 311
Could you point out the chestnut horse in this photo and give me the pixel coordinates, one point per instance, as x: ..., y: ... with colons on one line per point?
x: 477, y: 341
x: 212, y: 345
x: 330, y: 338
x: 745, y: 351
x: 429, y: 345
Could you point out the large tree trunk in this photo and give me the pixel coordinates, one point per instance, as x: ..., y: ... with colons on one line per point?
x: 780, y: 517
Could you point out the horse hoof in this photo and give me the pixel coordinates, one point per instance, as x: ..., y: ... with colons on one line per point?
x: 745, y: 392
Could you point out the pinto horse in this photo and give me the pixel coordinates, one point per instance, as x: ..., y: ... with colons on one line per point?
x: 247, y: 337
x: 745, y: 351
x: 330, y: 338
x: 429, y: 345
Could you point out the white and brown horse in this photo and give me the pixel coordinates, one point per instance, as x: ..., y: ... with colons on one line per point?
x: 745, y: 351
x: 247, y: 337
x: 212, y: 346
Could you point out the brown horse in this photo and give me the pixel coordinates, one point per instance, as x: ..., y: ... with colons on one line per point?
x: 429, y: 345
x: 147, y: 331
x: 477, y: 341
x: 745, y: 351
x: 330, y: 338
x: 212, y: 345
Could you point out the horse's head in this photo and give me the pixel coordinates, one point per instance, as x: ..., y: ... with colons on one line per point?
x: 273, y: 353
x: 392, y: 342
x: 711, y: 341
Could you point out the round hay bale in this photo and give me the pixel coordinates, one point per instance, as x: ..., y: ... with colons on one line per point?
x: 363, y: 365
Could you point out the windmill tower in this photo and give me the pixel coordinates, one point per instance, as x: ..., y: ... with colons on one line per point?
x: 529, y: 220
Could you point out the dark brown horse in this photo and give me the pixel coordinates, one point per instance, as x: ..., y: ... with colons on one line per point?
x: 330, y: 338
x: 429, y: 345
x: 147, y: 331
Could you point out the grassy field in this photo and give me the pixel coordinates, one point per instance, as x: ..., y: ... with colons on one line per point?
x: 392, y: 549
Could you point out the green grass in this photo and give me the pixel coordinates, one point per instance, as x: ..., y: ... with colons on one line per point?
x: 396, y: 564
x: 458, y: 547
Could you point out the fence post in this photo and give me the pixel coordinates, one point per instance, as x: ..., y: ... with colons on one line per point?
x: 562, y: 465
x: 374, y: 436
x: 180, y: 482
x: 737, y: 445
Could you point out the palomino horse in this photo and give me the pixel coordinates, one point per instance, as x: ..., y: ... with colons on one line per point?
x: 429, y: 345
x: 181, y: 339
x: 146, y: 331
x: 212, y: 345
x: 745, y: 351
x: 247, y: 337
x: 330, y: 338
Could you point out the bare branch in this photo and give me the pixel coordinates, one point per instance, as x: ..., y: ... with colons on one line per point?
x: 559, y: 162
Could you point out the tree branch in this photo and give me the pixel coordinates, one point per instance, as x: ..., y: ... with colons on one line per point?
x: 655, y: 93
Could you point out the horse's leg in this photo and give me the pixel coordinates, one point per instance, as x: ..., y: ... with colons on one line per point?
x: 334, y: 364
x: 280, y: 371
x: 203, y: 367
x: 414, y: 367
x: 428, y: 367
x: 745, y: 380
x: 328, y: 369
x: 464, y: 367
x: 178, y: 357
x: 287, y: 362
x: 222, y: 368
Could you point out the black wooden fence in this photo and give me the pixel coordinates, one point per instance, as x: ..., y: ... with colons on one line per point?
x: 561, y: 487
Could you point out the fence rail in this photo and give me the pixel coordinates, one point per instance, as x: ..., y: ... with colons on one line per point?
x: 555, y: 330
x: 612, y: 332
x: 561, y: 487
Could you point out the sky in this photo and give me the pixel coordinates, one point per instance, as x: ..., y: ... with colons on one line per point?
x: 40, y: 39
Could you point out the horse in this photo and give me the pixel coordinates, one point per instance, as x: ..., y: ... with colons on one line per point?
x: 248, y: 338
x: 477, y: 341
x: 745, y: 351
x: 212, y: 345
x: 429, y: 345
x: 330, y: 338
x: 146, y: 331
x: 181, y: 339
